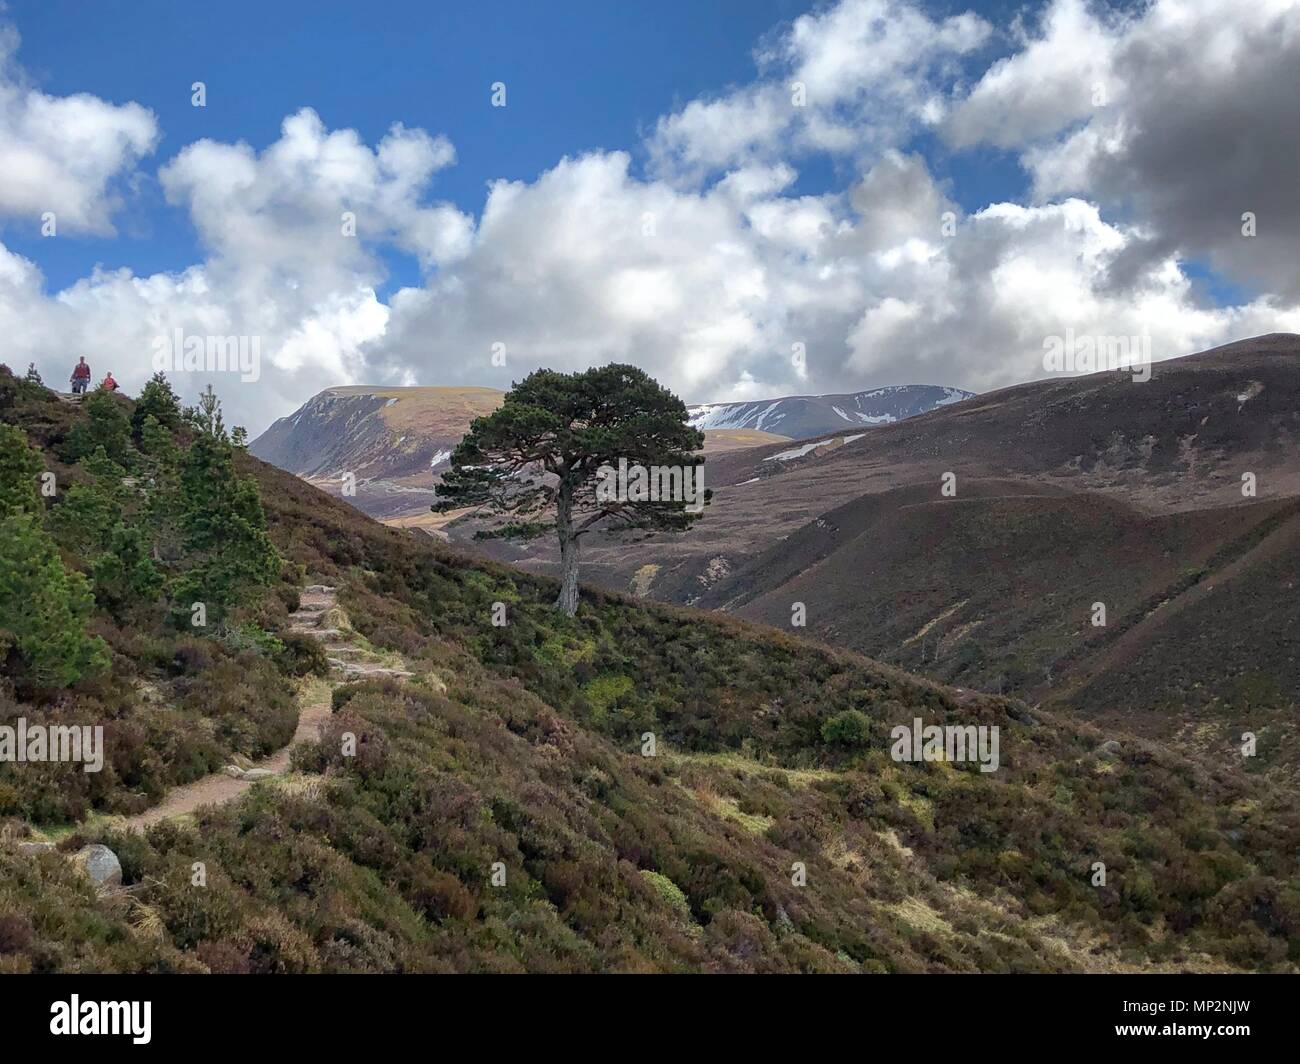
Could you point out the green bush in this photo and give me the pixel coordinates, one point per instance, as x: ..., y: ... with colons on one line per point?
x: 300, y: 655
x: 850, y: 728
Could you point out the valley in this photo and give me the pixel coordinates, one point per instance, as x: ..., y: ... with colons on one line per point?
x: 1069, y: 492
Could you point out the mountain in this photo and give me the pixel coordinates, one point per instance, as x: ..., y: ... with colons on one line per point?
x: 1069, y: 492
x: 801, y: 417
x: 487, y: 798
x: 393, y: 440
x: 396, y: 441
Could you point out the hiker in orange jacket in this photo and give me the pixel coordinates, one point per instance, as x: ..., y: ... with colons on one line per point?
x: 80, y: 377
x: 108, y: 384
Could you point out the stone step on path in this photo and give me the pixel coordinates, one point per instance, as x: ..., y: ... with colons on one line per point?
x: 354, y: 671
x: 347, y: 662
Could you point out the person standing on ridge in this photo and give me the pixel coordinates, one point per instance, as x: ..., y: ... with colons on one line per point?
x: 80, y: 377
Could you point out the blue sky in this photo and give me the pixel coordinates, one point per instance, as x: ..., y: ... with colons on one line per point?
x: 580, y: 76
x: 652, y: 192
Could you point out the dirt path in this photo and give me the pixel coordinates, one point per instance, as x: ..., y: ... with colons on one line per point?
x: 219, y: 788
x: 318, y: 617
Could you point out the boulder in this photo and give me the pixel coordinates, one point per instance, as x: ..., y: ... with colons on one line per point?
x: 234, y: 772
x: 101, y: 864
x: 255, y: 774
x: 1109, y: 750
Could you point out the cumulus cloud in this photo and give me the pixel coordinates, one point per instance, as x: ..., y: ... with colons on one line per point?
x: 847, y: 79
x: 708, y: 265
x: 292, y: 234
x: 1194, y: 127
x: 712, y: 298
x: 287, y: 204
x: 63, y: 154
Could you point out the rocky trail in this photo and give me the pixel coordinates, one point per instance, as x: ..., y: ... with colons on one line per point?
x: 319, y: 617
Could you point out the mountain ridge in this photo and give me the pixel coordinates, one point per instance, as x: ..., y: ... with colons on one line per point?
x: 800, y: 417
x: 396, y: 441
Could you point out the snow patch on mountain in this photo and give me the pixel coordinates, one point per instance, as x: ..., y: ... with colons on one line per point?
x: 804, y: 416
x: 794, y: 452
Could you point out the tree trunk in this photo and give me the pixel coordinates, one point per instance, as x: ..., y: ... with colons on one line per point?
x: 568, y: 600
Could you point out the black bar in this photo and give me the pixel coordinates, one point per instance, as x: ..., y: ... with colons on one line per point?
x: 248, y: 1014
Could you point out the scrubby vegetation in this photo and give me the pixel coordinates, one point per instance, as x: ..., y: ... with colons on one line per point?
x: 500, y: 814
x: 123, y: 525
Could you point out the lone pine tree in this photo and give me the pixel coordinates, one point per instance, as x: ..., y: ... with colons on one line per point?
x: 533, y: 463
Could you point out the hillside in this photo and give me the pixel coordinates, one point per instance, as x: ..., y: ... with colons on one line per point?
x: 801, y: 417
x: 1068, y: 492
x: 394, y: 441
x: 996, y: 590
x: 718, y: 440
x: 517, y: 750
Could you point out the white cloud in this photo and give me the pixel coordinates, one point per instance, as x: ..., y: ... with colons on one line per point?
x: 706, y: 270
x: 286, y: 205
x: 865, y: 71
x: 62, y: 154
x: 1046, y: 85
x: 281, y: 269
x: 1196, y: 127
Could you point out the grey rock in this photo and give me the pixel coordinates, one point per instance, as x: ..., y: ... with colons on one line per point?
x: 101, y: 864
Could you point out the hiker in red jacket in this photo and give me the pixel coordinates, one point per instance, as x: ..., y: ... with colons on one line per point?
x: 108, y: 384
x: 80, y: 377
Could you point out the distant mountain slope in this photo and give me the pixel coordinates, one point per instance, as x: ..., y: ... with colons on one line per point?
x: 998, y: 588
x: 395, y: 441
x: 719, y: 440
x: 801, y: 417
x: 1068, y: 492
